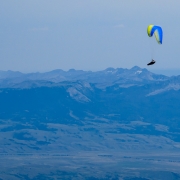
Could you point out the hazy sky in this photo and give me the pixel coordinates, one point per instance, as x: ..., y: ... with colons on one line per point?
x: 42, y: 35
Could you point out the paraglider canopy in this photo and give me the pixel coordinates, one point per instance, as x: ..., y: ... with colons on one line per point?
x: 157, y: 31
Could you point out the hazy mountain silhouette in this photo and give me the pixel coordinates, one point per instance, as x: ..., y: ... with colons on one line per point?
x: 102, y: 113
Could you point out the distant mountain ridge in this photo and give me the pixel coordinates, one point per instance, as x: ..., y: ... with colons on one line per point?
x: 104, y: 78
x: 135, y: 89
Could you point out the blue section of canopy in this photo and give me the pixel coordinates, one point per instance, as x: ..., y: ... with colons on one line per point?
x: 157, y: 31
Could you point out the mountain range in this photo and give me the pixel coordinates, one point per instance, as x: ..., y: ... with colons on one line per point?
x: 106, y: 77
x: 112, y: 115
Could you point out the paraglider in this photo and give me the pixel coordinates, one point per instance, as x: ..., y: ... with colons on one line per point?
x: 158, y: 33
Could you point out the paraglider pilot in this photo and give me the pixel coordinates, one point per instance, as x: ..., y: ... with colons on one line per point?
x: 152, y: 62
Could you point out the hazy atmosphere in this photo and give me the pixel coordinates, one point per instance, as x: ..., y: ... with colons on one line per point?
x: 91, y: 35
x: 86, y: 93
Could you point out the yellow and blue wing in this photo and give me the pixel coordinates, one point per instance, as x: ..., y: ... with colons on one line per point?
x: 156, y: 31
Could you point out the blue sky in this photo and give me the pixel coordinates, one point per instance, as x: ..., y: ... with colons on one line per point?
x: 42, y: 35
